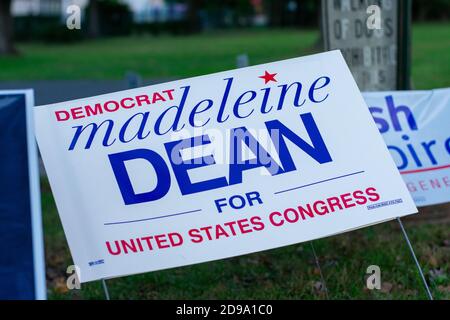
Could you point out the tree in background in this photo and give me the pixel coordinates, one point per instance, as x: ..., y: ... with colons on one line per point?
x: 6, y: 28
x: 289, y: 13
x: 108, y: 18
x: 431, y: 10
x: 94, y: 20
x: 193, y: 16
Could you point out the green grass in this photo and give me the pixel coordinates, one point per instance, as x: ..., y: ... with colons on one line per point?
x: 153, y: 57
x: 431, y: 56
x: 175, y: 57
x: 288, y: 272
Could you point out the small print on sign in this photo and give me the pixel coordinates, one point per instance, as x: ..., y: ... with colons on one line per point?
x: 415, y: 126
x: 217, y: 166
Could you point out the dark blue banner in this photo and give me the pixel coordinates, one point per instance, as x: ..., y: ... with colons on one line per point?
x: 21, y: 267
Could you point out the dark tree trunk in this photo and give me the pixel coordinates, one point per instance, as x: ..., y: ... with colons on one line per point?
x: 94, y: 19
x: 276, y: 13
x: 193, y: 20
x: 6, y: 28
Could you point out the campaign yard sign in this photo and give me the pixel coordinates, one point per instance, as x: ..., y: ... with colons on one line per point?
x: 22, y: 269
x: 416, y: 128
x: 217, y: 166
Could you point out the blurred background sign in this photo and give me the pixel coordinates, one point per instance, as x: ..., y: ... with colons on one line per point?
x: 374, y: 39
x: 22, y: 269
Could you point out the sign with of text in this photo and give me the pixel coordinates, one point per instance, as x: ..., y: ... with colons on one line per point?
x: 366, y: 33
x: 217, y: 166
x: 416, y: 128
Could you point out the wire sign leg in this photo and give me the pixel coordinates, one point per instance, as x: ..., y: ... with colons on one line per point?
x: 320, y: 270
x: 105, y: 289
x: 425, y: 284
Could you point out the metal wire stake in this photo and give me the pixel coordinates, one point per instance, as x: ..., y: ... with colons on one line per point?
x: 105, y: 289
x: 320, y: 270
x: 415, y: 260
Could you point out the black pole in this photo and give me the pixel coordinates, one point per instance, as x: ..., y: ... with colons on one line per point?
x: 404, y: 45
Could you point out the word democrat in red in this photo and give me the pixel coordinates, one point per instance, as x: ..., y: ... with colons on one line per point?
x: 113, y: 105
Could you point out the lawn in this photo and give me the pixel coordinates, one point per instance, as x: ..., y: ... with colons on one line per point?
x: 152, y: 57
x: 288, y: 272
x: 175, y: 57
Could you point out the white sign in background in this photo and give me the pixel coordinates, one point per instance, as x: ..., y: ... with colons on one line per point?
x: 329, y: 172
x: 369, y: 50
x: 416, y: 128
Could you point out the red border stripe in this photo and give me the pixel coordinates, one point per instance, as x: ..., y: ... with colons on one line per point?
x: 425, y: 169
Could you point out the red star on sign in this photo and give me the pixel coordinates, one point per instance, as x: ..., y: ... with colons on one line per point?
x: 268, y: 77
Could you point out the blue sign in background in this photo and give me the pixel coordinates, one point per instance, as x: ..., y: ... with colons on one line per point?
x: 17, y: 270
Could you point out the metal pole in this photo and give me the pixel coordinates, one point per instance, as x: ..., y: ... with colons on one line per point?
x: 404, y: 45
x: 320, y: 270
x: 415, y: 259
x: 105, y: 289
